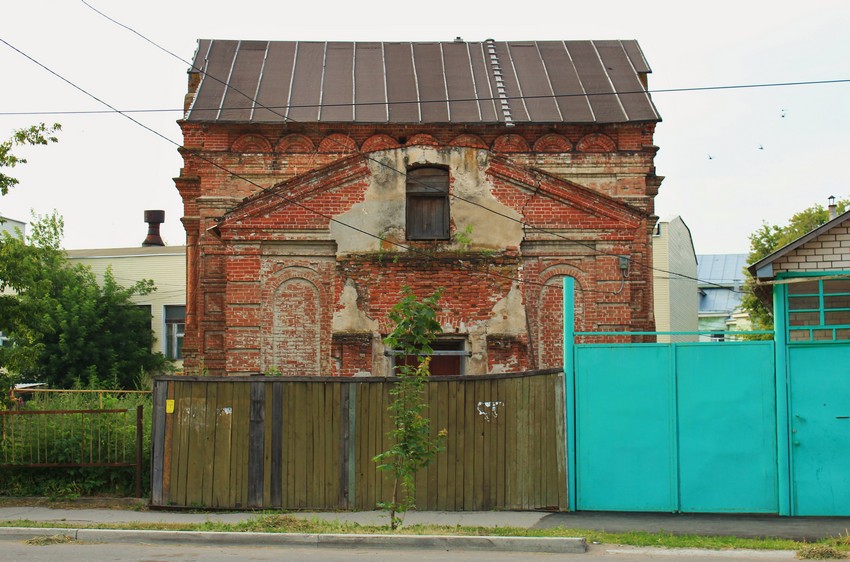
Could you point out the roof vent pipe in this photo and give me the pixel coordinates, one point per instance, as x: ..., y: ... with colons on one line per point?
x: 833, y: 210
x: 154, y: 219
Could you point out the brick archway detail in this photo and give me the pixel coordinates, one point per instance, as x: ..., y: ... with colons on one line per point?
x: 471, y: 141
x: 295, y: 144
x: 422, y: 139
x: 596, y: 142
x: 511, y: 143
x: 251, y: 143
x: 337, y: 143
x: 552, y: 142
x: 379, y: 142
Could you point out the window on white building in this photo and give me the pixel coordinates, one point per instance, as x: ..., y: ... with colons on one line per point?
x: 175, y: 323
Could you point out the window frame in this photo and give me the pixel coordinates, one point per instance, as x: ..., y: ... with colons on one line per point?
x: 427, y: 208
x: 174, y: 330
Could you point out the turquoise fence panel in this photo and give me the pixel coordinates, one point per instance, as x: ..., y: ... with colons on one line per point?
x: 624, y: 443
x: 820, y: 428
x: 727, y: 428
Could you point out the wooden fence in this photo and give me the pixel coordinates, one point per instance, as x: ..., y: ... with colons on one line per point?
x: 308, y: 443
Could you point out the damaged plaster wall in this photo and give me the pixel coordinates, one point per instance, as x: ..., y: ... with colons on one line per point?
x: 382, y: 212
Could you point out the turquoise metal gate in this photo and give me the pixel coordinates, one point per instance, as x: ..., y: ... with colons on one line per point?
x: 675, y: 427
x: 820, y: 429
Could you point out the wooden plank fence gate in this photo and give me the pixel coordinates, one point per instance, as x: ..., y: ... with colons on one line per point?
x: 308, y: 442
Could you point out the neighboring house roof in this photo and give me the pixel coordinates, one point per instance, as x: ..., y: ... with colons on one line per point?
x: 763, y: 269
x: 127, y: 252
x: 721, y: 269
x: 455, y: 82
x: 721, y: 277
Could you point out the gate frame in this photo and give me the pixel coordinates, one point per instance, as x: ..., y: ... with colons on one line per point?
x: 781, y: 376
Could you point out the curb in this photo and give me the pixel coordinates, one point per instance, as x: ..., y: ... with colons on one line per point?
x: 557, y: 545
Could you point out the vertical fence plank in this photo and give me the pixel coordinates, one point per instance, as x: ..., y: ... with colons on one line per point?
x: 209, y: 430
x: 222, y: 451
x: 160, y: 392
x: 276, y: 469
x: 256, y: 441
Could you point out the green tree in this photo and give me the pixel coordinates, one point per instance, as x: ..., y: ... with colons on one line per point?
x: 66, y: 329
x: 413, y: 447
x: 771, y: 237
x: 34, y: 135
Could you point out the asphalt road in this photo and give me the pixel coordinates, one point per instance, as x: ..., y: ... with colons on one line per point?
x: 80, y: 552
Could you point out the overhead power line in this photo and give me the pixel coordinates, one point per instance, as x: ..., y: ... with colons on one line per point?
x: 288, y: 119
x: 437, y: 101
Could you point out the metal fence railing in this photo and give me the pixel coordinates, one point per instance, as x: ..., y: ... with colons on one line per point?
x: 73, y: 438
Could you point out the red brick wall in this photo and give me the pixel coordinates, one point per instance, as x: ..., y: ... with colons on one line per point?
x: 255, y: 307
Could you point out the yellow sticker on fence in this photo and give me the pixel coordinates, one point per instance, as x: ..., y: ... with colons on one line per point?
x: 169, y: 406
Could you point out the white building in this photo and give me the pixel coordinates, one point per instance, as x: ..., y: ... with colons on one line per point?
x: 674, y: 279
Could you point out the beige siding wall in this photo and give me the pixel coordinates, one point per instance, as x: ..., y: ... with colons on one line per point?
x: 827, y: 252
x: 676, y: 297
x: 166, y: 266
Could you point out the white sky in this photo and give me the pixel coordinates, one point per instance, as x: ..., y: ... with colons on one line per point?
x: 106, y: 171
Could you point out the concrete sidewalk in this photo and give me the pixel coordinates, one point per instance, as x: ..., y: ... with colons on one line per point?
x: 797, y: 528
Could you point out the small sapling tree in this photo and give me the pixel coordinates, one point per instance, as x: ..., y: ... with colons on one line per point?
x: 413, y: 448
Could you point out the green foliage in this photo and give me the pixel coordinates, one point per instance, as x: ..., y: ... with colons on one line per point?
x: 413, y: 447
x: 67, y: 329
x: 61, y: 439
x: 34, y: 135
x: 769, y: 238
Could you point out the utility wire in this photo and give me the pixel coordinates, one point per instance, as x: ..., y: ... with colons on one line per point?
x: 524, y: 223
x: 454, y: 263
x: 440, y: 101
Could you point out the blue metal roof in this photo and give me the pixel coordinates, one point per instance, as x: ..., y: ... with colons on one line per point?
x: 721, y: 269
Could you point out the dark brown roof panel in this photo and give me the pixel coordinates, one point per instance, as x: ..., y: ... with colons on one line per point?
x: 460, y: 83
x: 456, y: 82
x: 370, y: 83
x: 401, y: 83
x: 619, y: 67
x: 338, y: 83
x: 216, y: 63
x: 536, y: 86
x: 239, y: 100
x: 596, y: 82
x: 484, y: 84
x: 574, y: 105
x: 307, y: 82
x: 431, y: 82
x: 273, y: 93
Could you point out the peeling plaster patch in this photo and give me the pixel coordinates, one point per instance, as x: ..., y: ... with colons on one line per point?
x: 509, y: 314
x: 350, y: 318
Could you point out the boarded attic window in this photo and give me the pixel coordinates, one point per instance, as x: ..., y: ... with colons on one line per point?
x: 428, y: 203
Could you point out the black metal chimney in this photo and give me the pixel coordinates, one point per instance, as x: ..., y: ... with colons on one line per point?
x: 154, y: 219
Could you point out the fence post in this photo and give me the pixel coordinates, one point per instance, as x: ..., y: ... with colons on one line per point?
x: 783, y: 406
x: 140, y: 417
x: 570, y: 386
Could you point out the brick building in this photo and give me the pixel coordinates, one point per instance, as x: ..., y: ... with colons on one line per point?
x: 330, y: 175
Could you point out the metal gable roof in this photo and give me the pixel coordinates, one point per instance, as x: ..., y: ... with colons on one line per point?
x: 439, y: 82
x: 763, y: 268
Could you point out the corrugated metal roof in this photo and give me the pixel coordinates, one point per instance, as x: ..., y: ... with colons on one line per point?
x: 721, y: 269
x: 719, y: 301
x: 456, y: 82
